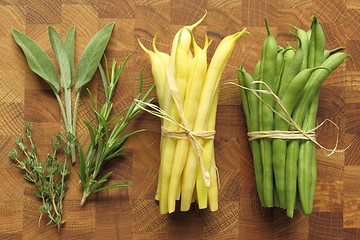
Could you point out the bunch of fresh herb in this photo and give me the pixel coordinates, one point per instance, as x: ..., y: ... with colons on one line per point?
x: 48, y: 177
x: 107, y: 143
x: 40, y: 63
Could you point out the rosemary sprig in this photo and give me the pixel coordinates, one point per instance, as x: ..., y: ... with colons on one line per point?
x: 106, y: 143
x: 49, y: 177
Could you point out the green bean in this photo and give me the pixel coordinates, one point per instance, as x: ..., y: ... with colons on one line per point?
x: 313, y: 177
x: 298, y: 116
x: 306, y: 158
x: 279, y: 68
x: 316, y: 44
x: 290, y: 176
x: 304, y: 41
x: 297, y: 85
x: 245, y: 79
x: 313, y: 85
x: 289, y: 101
x: 289, y: 55
x: 267, y: 73
x: 276, y: 197
x: 244, y: 97
x: 327, y: 52
x: 291, y: 71
x: 256, y: 72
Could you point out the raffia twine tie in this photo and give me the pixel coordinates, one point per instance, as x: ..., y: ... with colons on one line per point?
x: 277, y: 134
x: 298, y: 133
x: 185, y: 132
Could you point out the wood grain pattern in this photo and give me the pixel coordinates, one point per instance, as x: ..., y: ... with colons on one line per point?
x: 132, y: 213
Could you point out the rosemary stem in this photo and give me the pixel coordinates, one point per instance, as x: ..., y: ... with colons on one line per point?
x: 86, y: 193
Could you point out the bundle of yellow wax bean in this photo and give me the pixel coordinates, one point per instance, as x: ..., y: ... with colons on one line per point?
x: 187, y: 90
x: 281, y: 124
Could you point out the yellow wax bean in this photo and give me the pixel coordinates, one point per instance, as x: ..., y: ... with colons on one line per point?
x: 201, y: 190
x: 208, y: 93
x: 210, y: 162
x: 178, y: 192
x: 213, y: 191
x: 165, y: 58
x: 197, y: 50
x: 213, y: 75
x: 204, y: 194
x: 159, y: 75
x: 180, y: 75
x: 185, y: 39
x: 197, y: 72
x: 196, y: 47
x: 158, y: 72
x: 183, y: 56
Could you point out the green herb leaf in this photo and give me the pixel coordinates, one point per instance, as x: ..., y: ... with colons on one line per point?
x: 92, y: 102
x: 117, y: 153
x: 91, y: 132
x: 104, y: 178
x: 112, y: 186
x: 104, y: 80
x: 103, y: 123
x: 69, y: 43
x: 39, y: 62
x: 61, y: 57
x: 92, y: 55
x: 82, y: 174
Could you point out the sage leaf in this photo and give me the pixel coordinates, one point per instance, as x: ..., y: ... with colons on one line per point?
x: 61, y: 57
x: 39, y: 62
x: 69, y: 43
x: 91, y: 57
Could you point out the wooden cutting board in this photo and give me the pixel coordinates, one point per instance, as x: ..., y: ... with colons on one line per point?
x: 132, y: 213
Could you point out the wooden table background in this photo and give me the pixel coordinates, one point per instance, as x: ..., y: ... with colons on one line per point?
x: 132, y: 213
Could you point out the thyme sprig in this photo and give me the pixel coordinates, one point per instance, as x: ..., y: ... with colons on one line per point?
x: 49, y: 176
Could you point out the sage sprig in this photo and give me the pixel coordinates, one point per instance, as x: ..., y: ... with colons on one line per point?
x: 106, y: 142
x: 48, y: 176
x: 40, y: 63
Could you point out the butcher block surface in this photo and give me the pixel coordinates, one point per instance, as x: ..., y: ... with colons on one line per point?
x: 132, y: 212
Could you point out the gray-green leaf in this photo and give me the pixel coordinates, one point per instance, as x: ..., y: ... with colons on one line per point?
x: 61, y: 57
x: 91, y: 57
x: 39, y: 62
x: 69, y: 43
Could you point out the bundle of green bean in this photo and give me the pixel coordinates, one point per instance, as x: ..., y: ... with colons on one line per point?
x: 285, y: 168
